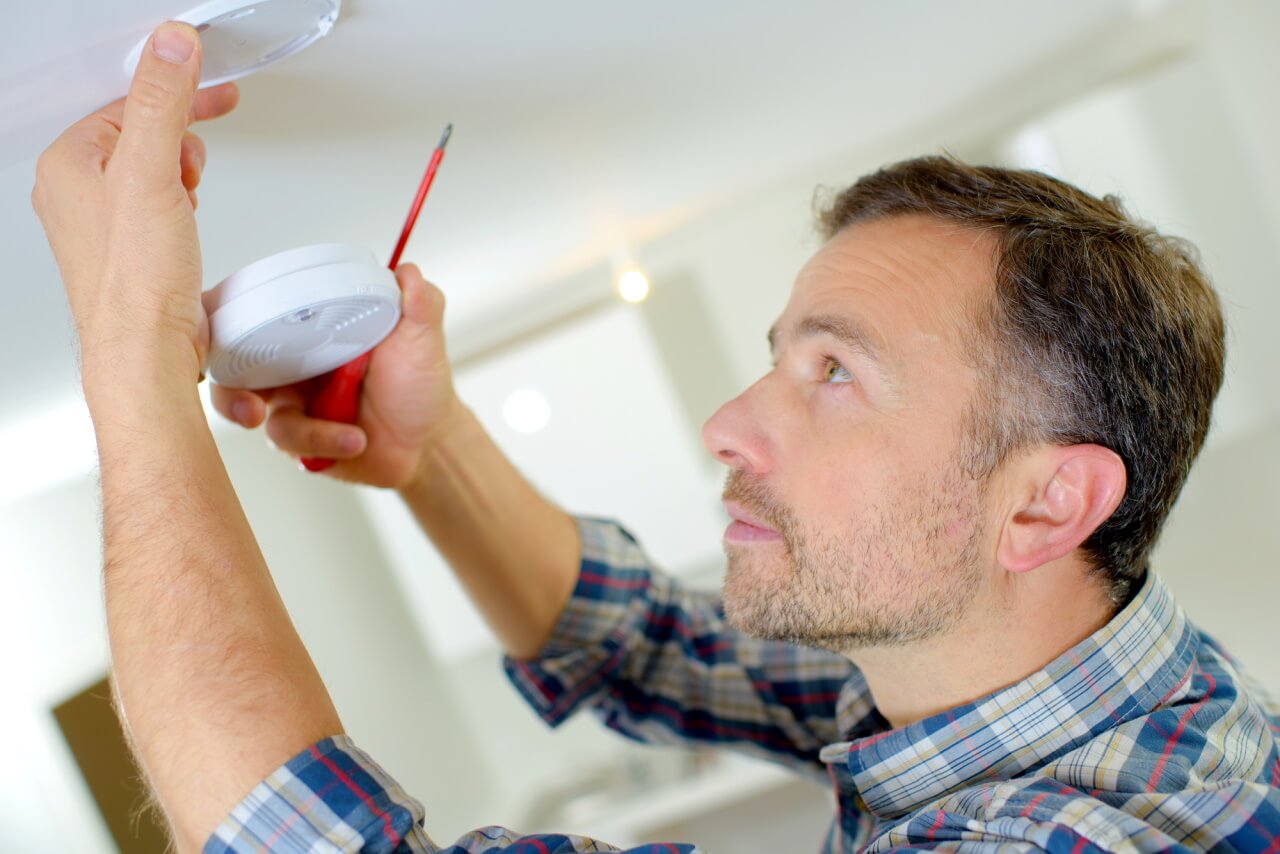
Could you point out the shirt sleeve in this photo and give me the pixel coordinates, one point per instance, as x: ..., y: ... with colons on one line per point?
x: 332, y: 798
x: 658, y: 662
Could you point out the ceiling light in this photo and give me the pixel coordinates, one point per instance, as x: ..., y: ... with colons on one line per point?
x: 633, y: 286
x: 526, y: 411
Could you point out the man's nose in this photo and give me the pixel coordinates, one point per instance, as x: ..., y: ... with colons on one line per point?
x: 733, y: 435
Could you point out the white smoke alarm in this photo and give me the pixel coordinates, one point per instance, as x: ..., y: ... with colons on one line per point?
x: 298, y: 314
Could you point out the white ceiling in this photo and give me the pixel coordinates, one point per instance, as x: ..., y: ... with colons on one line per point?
x: 578, y: 124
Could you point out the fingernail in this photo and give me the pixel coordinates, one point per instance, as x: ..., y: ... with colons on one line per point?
x: 173, y: 43
x: 352, y: 442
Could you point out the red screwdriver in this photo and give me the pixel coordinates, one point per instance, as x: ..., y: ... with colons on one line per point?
x: 338, y: 397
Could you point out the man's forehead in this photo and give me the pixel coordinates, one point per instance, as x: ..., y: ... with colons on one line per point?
x: 896, y: 276
x: 919, y: 252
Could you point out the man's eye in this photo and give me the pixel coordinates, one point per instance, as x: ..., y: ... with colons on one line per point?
x: 836, y: 372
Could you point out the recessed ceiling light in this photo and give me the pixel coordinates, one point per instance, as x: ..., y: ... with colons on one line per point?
x: 633, y: 286
x: 526, y: 411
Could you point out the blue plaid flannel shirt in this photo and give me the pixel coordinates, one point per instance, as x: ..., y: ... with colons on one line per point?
x: 1142, y: 737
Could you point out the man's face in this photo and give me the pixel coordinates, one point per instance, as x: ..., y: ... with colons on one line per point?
x: 860, y: 528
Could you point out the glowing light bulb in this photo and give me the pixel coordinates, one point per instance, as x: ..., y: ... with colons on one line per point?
x: 526, y: 411
x: 633, y: 286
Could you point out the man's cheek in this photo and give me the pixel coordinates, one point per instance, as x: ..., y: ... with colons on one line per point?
x: 836, y: 491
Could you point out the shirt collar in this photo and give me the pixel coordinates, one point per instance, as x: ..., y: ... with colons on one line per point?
x: 1129, y: 667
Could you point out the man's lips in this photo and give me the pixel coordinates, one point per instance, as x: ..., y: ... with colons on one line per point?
x: 738, y: 513
x: 746, y: 527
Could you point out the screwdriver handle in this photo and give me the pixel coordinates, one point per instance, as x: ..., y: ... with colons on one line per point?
x: 338, y: 399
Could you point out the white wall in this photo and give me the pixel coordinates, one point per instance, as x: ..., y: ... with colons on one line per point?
x: 1220, y: 553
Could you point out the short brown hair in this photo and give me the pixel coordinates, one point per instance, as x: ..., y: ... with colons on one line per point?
x: 1100, y: 330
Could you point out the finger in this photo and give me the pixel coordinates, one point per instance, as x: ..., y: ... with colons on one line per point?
x: 240, y: 405
x: 215, y: 101
x: 287, y: 396
x: 293, y: 432
x: 193, y: 159
x: 158, y: 107
x: 421, y: 313
x: 418, y: 337
x: 250, y: 407
x: 211, y: 103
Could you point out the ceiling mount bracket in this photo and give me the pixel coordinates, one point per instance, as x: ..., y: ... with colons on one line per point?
x: 242, y: 36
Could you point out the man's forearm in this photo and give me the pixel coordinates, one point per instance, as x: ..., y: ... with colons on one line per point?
x: 216, y: 687
x: 514, y: 552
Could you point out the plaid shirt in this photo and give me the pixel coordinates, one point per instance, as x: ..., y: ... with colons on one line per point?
x: 1142, y: 737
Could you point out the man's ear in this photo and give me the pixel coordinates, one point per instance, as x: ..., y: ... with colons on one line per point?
x: 1065, y: 494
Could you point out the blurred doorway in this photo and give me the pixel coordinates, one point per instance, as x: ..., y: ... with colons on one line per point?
x: 92, y: 730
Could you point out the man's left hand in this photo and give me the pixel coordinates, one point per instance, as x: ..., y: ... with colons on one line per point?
x: 116, y: 195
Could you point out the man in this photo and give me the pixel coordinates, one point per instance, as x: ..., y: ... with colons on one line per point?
x: 988, y: 388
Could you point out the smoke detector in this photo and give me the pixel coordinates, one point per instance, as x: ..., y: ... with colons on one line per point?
x: 298, y: 314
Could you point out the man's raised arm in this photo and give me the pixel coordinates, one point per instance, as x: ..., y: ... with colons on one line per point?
x: 213, y: 683
x: 516, y: 554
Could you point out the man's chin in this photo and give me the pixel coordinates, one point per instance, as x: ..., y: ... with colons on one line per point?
x: 747, y: 622
x: 768, y: 627
x: 756, y: 616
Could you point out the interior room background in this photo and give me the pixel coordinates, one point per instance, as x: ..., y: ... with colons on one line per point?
x: 685, y: 140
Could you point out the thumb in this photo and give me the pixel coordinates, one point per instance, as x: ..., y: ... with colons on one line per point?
x: 422, y: 303
x: 158, y: 108
x: 418, y: 338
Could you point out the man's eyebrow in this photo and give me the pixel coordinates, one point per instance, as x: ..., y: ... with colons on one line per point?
x: 846, y: 330
x: 850, y: 333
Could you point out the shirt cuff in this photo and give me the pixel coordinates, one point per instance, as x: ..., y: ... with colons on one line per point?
x: 333, y: 793
x: 588, y: 643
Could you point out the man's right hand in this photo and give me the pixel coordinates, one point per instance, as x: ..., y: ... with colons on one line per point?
x: 406, y: 400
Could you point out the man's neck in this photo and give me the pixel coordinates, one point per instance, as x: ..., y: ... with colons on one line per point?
x: 1008, y: 633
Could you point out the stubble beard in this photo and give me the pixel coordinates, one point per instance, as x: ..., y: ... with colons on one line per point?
x: 907, y: 573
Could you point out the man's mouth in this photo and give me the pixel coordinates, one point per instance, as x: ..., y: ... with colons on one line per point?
x: 746, y: 527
